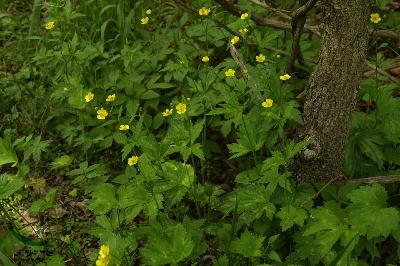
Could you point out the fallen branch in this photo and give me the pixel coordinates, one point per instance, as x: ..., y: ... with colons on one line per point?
x: 375, y: 179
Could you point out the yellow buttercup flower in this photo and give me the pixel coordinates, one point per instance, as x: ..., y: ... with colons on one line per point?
x: 234, y: 40
x: 244, y: 16
x: 205, y: 59
x: 204, y: 11
x: 285, y: 77
x: 267, y: 103
x: 102, y: 114
x: 148, y: 12
x: 144, y: 20
x: 375, y: 18
x: 167, y: 112
x: 133, y: 160
x: 243, y: 31
x: 123, y: 127
x: 104, y: 256
x: 180, y: 108
x: 49, y: 25
x: 110, y: 98
x: 89, y: 96
x: 260, y: 58
x: 230, y: 73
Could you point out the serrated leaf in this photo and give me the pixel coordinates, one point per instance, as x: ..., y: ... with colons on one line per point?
x: 103, y: 199
x: 248, y: 245
x: 7, y: 153
x: 368, y: 213
x: 170, y: 246
x: 327, y: 226
x: 9, y: 184
x: 292, y: 149
x: 290, y: 215
x: 252, y: 202
x: 61, y: 162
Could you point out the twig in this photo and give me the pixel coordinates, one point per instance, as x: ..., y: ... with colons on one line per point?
x: 236, y: 56
x: 261, y: 21
x: 382, y: 72
x: 299, y: 18
x: 278, y: 12
x: 387, y: 34
x: 301, y: 11
x: 376, y: 179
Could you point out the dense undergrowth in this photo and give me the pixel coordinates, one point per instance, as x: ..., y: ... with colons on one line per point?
x: 129, y: 136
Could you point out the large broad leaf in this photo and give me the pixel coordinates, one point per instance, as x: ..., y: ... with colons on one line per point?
x: 368, y: 213
x: 7, y: 153
x: 169, y: 246
x: 326, y: 227
x: 290, y: 215
x: 103, y: 199
x: 248, y: 245
x: 252, y: 202
x: 9, y: 184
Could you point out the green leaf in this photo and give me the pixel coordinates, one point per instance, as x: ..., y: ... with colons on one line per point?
x: 103, y: 199
x: 290, y: 215
x: 368, y: 213
x: 61, y: 162
x: 35, y: 148
x: 248, y: 245
x: 6, y: 260
x: 371, y: 147
x: 252, y: 202
x: 162, y: 85
x: 132, y: 106
x: 149, y: 95
x: 327, y: 226
x: 168, y: 246
x: 292, y: 149
x: 237, y: 150
x: 9, y: 184
x: 7, y: 153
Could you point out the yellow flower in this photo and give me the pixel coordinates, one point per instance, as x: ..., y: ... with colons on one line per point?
x: 285, y: 77
x: 235, y: 39
x: 144, y: 20
x: 244, y: 16
x: 104, y: 251
x: 133, y: 160
x: 89, y: 96
x: 167, y: 112
x: 102, y: 114
x: 267, y: 103
x: 123, y: 127
x: 104, y: 256
x: 204, y: 11
x: 148, y: 12
x: 230, y: 73
x: 205, y: 59
x: 49, y: 25
x: 243, y: 31
x: 180, y: 108
x: 375, y: 18
x: 110, y: 98
x: 260, y: 58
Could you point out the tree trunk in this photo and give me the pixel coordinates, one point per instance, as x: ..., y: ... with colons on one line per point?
x: 331, y: 96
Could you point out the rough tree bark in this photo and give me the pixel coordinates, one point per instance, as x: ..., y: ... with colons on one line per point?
x: 331, y: 95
